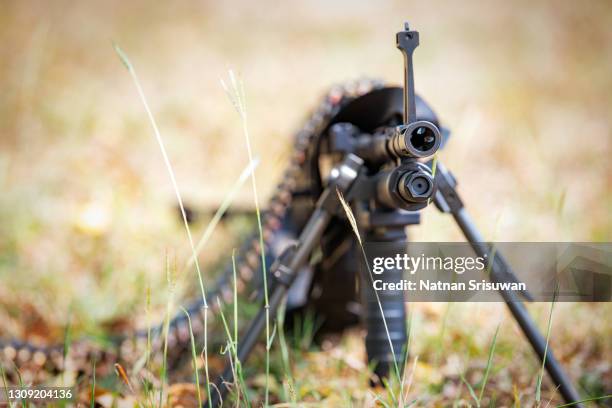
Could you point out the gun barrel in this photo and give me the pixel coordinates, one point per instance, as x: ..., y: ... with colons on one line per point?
x: 417, y: 140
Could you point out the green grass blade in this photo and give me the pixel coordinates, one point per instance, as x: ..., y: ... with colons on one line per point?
x: 489, y: 365
x: 434, y: 165
x: 92, y: 402
x: 193, y: 356
x: 235, y: 288
x: 225, y: 204
x: 280, y: 318
x: 237, y: 97
x: 123, y: 57
x: 471, y: 390
x: 380, y: 400
x: 4, y: 382
x: 409, y: 331
x: 353, y: 222
x: 66, y: 345
x: 148, y: 317
x: 603, y: 397
x: 166, y: 159
x: 232, y: 348
x: 169, y: 303
x: 21, y: 386
x: 541, y: 374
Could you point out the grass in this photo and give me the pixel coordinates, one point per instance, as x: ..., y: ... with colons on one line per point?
x: 236, y: 364
x: 602, y: 398
x: 24, y: 402
x: 280, y: 318
x: 220, y: 212
x: 169, y: 308
x: 304, y: 330
x: 471, y: 390
x: 4, y: 382
x: 233, y: 341
x: 316, y: 370
x: 236, y: 94
x: 350, y: 216
x: 488, y: 367
x: 538, y: 390
x: 92, y: 401
x: 66, y: 346
x: 148, y: 318
x: 405, y: 384
x: 179, y: 199
x: 194, y: 357
x: 235, y: 293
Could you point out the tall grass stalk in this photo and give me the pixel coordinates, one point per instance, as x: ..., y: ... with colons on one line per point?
x: 280, y: 318
x: 4, y: 382
x: 235, y: 287
x: 571, y: 404
x: 434, y: 165
x: 353, y: 222
x: 194, y: 357
x: 489, y: 365
x: 66, y: 344
x: 470, y: 389
x: 434, y: 169
x: 485, y: 376
x: 169, y: 308
x: 92, y: 402
x: 162, y: 148
x: 148, y: 318
x: 225, y: 204
x: 304, y: 329
x: 405, y: 389
x: 235, y: 92
x: 541, y: 374
x: 560, y: 205
x: 144, y: 360
x: 517, y: 397
x: 382, y: 402
x: 237, y: 361
x: 24, y: 403
x: 232, y: 348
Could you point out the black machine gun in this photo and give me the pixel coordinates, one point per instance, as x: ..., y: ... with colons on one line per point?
x: 375, y: 153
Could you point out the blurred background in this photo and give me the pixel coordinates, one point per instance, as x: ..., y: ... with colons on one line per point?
x: 87, y: 212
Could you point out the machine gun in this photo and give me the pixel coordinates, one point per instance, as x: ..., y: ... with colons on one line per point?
x: 375, y: 154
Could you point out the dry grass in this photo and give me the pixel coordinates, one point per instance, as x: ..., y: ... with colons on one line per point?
x: 87, y: 215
